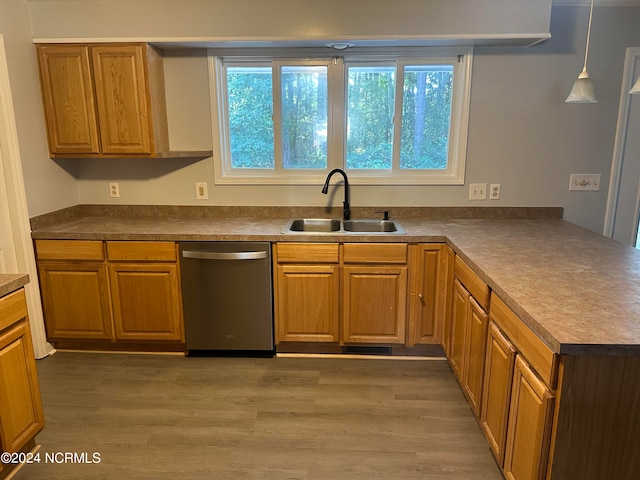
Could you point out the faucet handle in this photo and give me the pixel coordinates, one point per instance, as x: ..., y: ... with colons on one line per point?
x: 385, y: 213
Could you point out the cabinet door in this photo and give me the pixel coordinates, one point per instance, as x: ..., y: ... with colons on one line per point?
x: 307, y: 303
x: 460, y: 304
x: 75, y: 297
x: 146, y: 301
x: 374, y: 304
x: 449, y: 261
x: 21, y: 415
x: 476, y: 341
x: 122, y: 97
x: 426, y: 310
x: 529, y: 426
x: 499, y: 361
x: 69, y: 101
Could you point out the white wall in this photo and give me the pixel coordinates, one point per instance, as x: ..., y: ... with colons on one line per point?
x: 49, y: 186
x: 522, y: 134
x: 287, y: 19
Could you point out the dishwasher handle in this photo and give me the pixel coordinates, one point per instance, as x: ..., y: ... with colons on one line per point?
x: 224, y: 255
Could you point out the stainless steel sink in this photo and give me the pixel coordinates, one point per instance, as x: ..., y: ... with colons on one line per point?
x: 314, y: 225
x: 364, y: 226
x: 370, y: 226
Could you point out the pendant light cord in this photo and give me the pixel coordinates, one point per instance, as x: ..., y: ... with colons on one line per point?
x: 586, y: 51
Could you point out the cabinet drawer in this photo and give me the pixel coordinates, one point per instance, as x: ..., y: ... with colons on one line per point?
x: 13, y: 307
x: 478, y: 289
x: 537, y: 353
x: 375, y: 252
x: 141, y: 251
x: 307, y: 252
x: 69, y: 250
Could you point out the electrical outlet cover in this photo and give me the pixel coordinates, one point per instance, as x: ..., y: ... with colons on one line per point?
x: 201, y: 191
x: 584, y: 181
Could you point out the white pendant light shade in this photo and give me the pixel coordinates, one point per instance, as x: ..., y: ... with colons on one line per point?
x: 636, y: 87
x: 584, y: 91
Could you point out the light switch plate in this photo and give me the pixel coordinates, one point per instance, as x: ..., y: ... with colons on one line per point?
x: 584, y: 181
x: 477, y: 191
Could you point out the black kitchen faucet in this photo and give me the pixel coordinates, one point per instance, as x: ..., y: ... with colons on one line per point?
x: 346, y: 209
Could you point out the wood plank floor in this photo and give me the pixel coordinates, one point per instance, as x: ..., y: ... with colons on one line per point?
x: 168, y: 417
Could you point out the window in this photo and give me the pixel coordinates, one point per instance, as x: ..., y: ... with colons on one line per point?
x: 384, y: 119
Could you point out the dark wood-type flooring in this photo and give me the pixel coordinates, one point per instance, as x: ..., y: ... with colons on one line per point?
x: 169, y: 417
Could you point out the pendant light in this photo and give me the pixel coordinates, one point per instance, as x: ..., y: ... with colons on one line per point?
x: 583, y: 90
x: 636, y: 87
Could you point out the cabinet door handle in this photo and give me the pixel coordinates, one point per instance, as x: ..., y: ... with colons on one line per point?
x: 421, y: 299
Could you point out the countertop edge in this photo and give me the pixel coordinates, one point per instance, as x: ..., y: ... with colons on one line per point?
x: 10, y: 282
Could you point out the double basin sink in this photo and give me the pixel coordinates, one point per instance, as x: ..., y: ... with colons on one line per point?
x: 363, y: 226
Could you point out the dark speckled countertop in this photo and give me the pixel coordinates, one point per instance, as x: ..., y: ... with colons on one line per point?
x: 10, y: 282
x: 578, y: 290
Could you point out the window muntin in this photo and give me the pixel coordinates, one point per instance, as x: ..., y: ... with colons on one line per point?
x: 407, y: 144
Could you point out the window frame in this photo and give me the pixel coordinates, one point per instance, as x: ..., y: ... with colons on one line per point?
x: 460, y: 57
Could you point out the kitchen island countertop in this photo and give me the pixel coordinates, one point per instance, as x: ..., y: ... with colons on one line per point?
x: 578, y: 290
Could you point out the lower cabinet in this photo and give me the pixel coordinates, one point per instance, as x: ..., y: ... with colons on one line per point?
x: 518, y: 399
x: 458, y: 324
x: 529, y: 425
x: 74, y: 286
x: 428, y: 293
x: 341, y: 293
x: 146, y: 302
x: 499, y: 363
x: 75, y: 297
x: 374, y: 304
x: 98, y: 293
x: 475, y: 344
x: 307, y: 305
x: 307, y: 292
x: 506, y: 373
x: 467, y: 329
x: 374, y: 293
x: 21, y: 416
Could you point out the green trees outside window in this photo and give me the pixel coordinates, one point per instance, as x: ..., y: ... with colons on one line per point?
x: 388, y: 117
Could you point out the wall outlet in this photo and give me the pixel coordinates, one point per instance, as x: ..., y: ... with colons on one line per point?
x: 201, y: 191
x: 584, y: 181
x: 477, y: 191
x: 114, y: 190
x: 494, y: 191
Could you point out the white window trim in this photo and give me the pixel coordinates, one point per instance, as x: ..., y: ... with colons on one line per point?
x: 460, y: 57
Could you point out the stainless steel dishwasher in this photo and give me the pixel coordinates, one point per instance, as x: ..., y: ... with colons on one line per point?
x: 227, y: 298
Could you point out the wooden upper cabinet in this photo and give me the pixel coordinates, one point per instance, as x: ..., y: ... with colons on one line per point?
x: 104, y: 100
x: 69, y: 101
